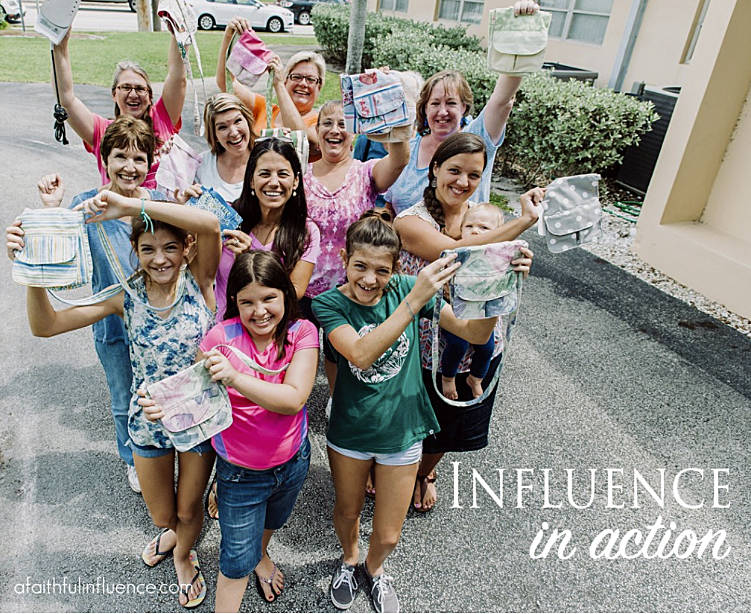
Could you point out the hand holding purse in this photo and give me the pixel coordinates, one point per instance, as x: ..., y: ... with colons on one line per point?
x: 516, y: 43
x: 248, y: 58
x: 178, y: 166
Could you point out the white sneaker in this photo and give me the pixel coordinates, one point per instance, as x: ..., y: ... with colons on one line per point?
x: 133, y: 482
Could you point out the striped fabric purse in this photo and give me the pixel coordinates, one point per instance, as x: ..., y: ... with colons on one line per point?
x: 56, y: 251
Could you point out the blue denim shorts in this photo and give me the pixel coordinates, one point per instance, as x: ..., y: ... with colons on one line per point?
x: 250, y: 501
x: 154, y: 452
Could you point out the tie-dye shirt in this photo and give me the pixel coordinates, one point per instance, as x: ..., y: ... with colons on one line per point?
x: 334, y: 212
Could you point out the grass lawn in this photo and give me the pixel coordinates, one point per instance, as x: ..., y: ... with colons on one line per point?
x: 94, y: 56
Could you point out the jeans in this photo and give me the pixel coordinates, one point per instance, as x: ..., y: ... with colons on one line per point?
x: 454, y: 351
x: 115, y: 361
x: 250, y: 501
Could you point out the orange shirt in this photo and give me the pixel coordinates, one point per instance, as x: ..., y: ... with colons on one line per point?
x: 259, y: 115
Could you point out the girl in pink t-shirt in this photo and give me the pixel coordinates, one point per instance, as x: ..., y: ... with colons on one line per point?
x: 263, y: 457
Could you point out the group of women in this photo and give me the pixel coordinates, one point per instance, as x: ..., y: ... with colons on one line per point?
x: 310, y: 253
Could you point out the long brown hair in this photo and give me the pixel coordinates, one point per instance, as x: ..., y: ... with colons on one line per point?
x: 451, y: 79
x: 459, y: 143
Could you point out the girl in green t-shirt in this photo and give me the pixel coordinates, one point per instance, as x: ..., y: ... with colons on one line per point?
x: 380, y: 410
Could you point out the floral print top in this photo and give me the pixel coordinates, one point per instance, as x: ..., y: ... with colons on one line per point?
x: 334, y: 212
x: 160, y: 347
x: 411, y: 265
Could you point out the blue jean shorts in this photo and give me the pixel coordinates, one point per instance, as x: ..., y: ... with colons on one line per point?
x: 250, y: 501
x: 154, y: 452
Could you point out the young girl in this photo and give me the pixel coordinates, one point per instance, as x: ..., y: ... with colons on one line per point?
x: 380, y: 411
x: 161, y: 343
x: 263, y: 458
x: 479, y: 219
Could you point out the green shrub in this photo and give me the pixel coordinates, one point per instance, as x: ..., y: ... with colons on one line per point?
x: 331, y: 27
x: 560, y: 128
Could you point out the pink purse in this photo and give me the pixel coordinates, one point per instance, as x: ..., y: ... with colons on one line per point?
x: 177, y: 168
x: 248, y: 59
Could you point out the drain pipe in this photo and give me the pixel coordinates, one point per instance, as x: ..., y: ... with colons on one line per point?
x: 626, y: 48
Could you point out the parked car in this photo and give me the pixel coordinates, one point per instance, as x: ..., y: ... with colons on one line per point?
x: 131, y: 3
x: 212, y: 13
x: 10, y: 11
x: 302, y: 8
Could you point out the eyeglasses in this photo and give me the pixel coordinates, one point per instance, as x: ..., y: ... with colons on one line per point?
x: 138, y: 89
x: 298, y: 78
x: 378, y: 212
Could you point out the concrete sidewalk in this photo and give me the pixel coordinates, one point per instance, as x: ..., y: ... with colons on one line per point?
x: 604, y: 372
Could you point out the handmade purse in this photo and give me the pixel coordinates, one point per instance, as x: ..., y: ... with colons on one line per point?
x: 180, y: 19
x: 195, y: 407
x: 177, y: 167
x: 375, y: 104
x: 516, y: 44
x: 297, y: 138
x: 248, y: 59
x: 484, y: 286
x: 572, y: 214
x: 211, y: 201
x: 56, y: 251
x: 55, y: 18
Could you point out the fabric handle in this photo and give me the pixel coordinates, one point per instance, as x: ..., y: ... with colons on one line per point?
x: 249, y: 362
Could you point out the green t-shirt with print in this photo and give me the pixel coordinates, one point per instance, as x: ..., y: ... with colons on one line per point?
x: 385, y: 408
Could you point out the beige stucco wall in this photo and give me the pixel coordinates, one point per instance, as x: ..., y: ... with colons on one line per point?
x: 695, y: 221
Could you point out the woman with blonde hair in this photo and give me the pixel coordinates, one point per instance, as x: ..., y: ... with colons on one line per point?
x: 133, y: 95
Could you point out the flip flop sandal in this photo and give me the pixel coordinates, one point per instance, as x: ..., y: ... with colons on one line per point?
x: 209, y: 496
x: 428, y: 479
x: 269, y: 581
x: 193, y: 603
x: 151, y: 560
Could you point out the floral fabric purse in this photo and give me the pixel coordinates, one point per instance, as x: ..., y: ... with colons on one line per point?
x: 516, y: 44
x: 248, y: 59
x: 572, y: 214
x: 56, y: 251
x: 375, y: 104
x: 211, y: 201
x: 485, y: 286
x: 195, y: 407
x: 177, y: 167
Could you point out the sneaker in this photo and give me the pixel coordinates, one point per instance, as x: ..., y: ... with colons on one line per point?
x: 133, y: 482
x: 382, y: 591
x: 344, y: 586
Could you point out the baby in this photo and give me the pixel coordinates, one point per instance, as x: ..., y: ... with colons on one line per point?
x: 478, y: 219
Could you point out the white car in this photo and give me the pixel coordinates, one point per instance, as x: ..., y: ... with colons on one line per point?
x: 212, y: 13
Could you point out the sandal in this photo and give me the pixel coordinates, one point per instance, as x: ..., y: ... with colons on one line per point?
x: 370, y: 484
x: 211, y: 499
x: 198, y: 600
x: 151, y: 560
x: 423, y: 481
x: 269, y: 581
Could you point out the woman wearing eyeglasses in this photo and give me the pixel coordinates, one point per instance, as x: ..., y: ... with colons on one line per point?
x: 302, y: 77
x: 132, y: 95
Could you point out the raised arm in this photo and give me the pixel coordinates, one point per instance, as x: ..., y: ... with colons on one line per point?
x: 364, y: 351
x: 498, y: 107
x: 291, y: 117
x: 44, y: 321
x: 287, y: 398
x: 80, y: 118
x: 201, y: 224
x: 239, y: 25
x: 175, y: 83
x: 387, y: 169
x: 423, y: 240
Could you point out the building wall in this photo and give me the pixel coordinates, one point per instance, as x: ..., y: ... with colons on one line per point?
x: 695, y: 219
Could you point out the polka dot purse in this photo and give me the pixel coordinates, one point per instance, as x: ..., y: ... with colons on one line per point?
x: 572, y: 214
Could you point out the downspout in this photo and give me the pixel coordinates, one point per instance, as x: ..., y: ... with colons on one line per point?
x: 626, y: 48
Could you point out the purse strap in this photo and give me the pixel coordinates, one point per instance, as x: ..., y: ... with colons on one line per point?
x: 249, y: 362
x: 269, y: 94
x: 509, y: 320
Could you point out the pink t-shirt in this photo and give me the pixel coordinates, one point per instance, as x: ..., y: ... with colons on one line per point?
x: 310, y: 254
x: 258, y: 438
x: 163, y: 130
x: 334, y: 212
